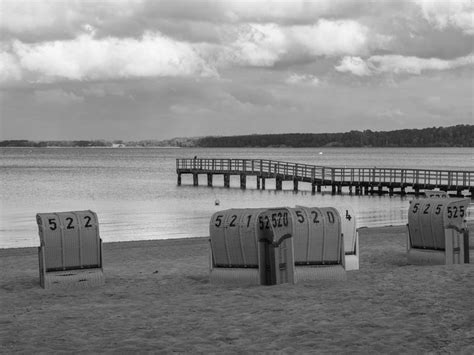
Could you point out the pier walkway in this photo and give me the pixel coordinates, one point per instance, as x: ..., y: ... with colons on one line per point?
x: 359, y: 180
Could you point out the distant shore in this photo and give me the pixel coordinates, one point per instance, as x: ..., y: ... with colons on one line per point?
x: 157, y: 298
x: 453, y: 136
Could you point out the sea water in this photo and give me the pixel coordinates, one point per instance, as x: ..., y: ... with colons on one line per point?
x: 135, y: 194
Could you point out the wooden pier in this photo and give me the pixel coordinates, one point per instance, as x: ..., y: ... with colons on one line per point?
x: 355, y: 180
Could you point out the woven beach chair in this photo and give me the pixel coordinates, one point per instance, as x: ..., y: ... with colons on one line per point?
x: 251, y: 247
x: 437, y: 231
x: 234, y: 247
x: 351, y: 238
x: 70, y: 251
x: 318, y: 244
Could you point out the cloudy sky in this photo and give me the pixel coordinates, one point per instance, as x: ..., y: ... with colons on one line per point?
x: 151, y: 69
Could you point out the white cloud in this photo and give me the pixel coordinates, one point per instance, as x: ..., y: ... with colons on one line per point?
x: 307, y: 79
x: 398, y: 64
x: 266, y: 44
x: 57, y: 97
x: 455, y: 13
x: 413, y: 65
x: 9, y: 68
x: 255, y: 45
x: 331, y: 38
x: 354, y: 65
x: 87, y: 58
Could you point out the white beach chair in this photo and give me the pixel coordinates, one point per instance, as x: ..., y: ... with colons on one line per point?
x: 251, y: 247
x: 70, y: 252
x: 437, y: 231
x: 351, y: 238
x: 318, y: 244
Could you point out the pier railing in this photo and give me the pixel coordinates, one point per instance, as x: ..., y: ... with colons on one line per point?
x: 342, y: 175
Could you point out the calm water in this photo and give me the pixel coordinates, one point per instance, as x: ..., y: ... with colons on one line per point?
x: 135, y: 195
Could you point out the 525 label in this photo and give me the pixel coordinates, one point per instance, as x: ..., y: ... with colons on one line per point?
x: 453, y: 211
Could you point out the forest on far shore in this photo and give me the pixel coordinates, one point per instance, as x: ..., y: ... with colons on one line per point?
x: 454, y: 136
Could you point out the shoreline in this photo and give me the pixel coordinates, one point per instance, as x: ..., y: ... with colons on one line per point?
x: 5, y: 251
x: 157, y: 298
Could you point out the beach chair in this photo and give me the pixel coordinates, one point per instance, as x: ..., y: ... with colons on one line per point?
x: 276, y: 257
x: 351, y: 238
x: 318, y: 244
x: 70, y: 251
x: 234, y: 247
x: 437, y: 231
x: 251, y: 247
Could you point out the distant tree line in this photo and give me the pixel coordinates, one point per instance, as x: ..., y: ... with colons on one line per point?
x: 455, y: 136
x: 42, y: 144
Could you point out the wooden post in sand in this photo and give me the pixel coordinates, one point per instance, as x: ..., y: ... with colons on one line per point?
x: 278, y: 183
x: 243, y: 181
x: 295, y: 185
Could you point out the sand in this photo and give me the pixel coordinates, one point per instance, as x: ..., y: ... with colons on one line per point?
x: 157, y: 298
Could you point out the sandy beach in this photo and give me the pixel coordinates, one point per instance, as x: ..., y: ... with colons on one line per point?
x: 157, y: 298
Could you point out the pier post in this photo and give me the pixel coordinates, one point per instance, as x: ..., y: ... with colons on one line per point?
x: 380, y: 189
x: 258, y: 182
x: 295, y: 185
x: 319, y: 188
x: 350, y: 189
x: 339, y: 189
x: 195, y: 180
x: 263, y: 183
x: 243, y: 181
x: 313, y: 188
x: 417, y: 190
x: 226, y: 180
x: 390, y: 191
x: 371, y: 189
x: 179, y: 179
x: 278, y: 183
x: 333, y: 189
x: 402, y: 191
x: 209, y: 180
x: 366, y: 190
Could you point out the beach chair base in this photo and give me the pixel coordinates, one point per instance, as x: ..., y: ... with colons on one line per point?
x: 351, y: 262
x: 320, y: 272
x: 426, y: 257
x: 73, y: 279
x: 454, y: 253
x: 235, y: 276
